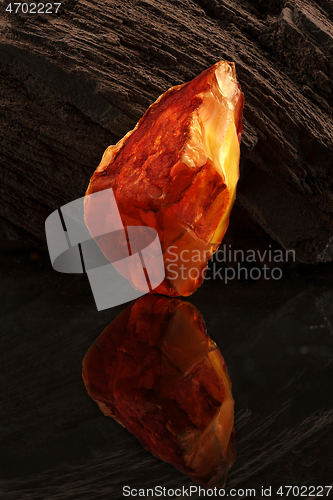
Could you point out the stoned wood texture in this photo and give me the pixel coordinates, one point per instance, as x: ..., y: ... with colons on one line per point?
x: 75, y: 82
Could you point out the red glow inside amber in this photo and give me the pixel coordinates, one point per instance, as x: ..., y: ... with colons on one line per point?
x: 155, y: 370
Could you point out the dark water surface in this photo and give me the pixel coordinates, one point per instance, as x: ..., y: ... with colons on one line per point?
x: 276, y: 338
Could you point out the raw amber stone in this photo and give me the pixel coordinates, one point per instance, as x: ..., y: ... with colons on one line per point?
x: 156, y: 371
x: 177, y: 172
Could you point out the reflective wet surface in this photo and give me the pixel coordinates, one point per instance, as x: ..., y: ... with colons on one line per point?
x: 275, y: 336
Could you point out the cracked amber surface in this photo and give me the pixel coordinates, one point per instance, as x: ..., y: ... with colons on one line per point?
x: 177, y: 172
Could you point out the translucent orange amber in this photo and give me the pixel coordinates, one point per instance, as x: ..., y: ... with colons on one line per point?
x: 155, y: 370
x: 177, y: 172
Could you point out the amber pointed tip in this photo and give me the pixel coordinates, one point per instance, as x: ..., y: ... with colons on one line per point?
x: 225, y: 73
x: 230, y: 89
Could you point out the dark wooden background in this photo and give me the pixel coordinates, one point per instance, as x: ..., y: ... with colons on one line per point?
x: 77, y: 81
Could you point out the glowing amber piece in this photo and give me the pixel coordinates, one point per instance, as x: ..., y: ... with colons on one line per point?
x: 155, y: 370
x: 177, y: 172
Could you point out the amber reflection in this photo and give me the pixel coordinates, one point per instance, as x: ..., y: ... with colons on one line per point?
x: 156, y: 371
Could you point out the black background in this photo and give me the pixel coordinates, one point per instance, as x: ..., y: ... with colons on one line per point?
x: 71, y: 85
